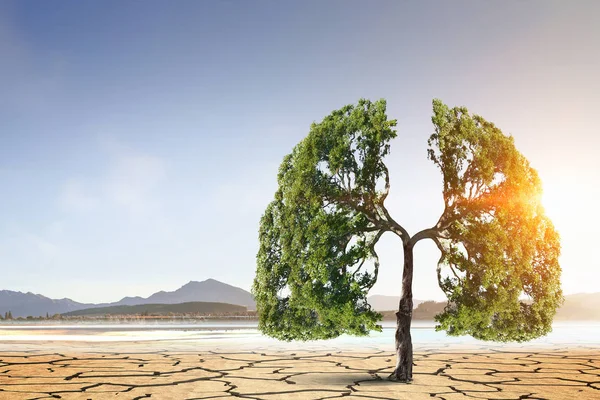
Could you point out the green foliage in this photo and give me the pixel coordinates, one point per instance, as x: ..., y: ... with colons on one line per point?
x: 318, y: 235
x: 500, y: 251
x: 499, y: 265
x: 193, y: 307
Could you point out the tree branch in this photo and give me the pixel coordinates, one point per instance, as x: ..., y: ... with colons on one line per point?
x: 386, y: 191
x: 430, y: 233
x: 439, y: 264
x: 394, y: 226
x: 359, y: 267
x: 375, y: 256
x: 386, y: 223
x: 372, y: 244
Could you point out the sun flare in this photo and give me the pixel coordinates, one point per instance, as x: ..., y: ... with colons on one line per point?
x: 554, y: 199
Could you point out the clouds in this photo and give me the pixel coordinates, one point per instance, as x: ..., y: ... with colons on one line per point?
x: 133, y: 180
x: 42, y: 245
x: 76, y: 197
x: 130, y: 182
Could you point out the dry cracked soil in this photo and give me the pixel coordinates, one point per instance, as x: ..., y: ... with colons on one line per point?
x: 285, y: 374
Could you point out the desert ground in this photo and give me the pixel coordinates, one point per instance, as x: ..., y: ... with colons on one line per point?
x: 138, y: 370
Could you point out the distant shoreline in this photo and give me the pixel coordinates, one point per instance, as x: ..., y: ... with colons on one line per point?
x: 388, y: 316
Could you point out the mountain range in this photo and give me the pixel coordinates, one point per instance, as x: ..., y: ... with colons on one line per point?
x: 384, y: 303
x: 25, y: 304
x: 583, y: 306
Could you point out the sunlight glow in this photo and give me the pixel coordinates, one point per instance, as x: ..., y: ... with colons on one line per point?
x: 554, y: 200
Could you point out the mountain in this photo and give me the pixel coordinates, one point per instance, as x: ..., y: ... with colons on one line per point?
x: 196, y: 307
x: 577, y: 307
x: 387, y: 303
x: 126, y: 301
x: 25, y: 304
x: 426, y: 310
x: 580, y: 306
x: 209, y: 290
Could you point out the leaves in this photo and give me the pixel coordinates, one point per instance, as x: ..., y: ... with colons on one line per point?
x: 500, y: 250
x: 317, y: 260
x: 317, y: 237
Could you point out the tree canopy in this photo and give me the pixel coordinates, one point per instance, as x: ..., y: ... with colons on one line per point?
x: 317, y: 260
x: 498, y: 247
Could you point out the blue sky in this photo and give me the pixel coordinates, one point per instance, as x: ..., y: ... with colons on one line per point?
x: 139, y: 141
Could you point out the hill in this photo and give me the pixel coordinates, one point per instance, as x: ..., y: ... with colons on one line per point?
x: 209, y: 290
x: 386, y: 303
x: 426, y: 310
x: 577, y: 307
x: 196, y: 307
x: 580, y: 307
x: 25, y: 304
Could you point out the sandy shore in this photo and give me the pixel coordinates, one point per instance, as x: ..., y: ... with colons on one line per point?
x: 137, y: 371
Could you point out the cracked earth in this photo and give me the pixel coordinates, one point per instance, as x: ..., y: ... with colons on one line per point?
x: 285, y: 374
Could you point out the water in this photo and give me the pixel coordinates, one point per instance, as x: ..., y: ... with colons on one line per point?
x: 246, y: 333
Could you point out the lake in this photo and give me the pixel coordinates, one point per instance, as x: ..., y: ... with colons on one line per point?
x: 245, y: 334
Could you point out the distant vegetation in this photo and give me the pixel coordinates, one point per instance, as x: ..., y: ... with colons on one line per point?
x: 192, y: 308
x: 577, y: 307
x: 424, y: 311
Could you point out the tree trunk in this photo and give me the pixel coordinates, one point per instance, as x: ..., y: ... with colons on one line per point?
x: 404, y: 350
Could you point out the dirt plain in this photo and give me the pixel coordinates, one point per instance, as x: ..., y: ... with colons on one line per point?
x: 138, y: 371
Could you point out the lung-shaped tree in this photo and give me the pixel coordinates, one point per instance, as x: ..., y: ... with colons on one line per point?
x: 317, y: 260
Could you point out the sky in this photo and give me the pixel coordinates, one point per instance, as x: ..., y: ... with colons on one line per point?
x: 140, y: 141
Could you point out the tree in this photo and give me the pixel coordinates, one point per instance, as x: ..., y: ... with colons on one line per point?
x: 317, y: 260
